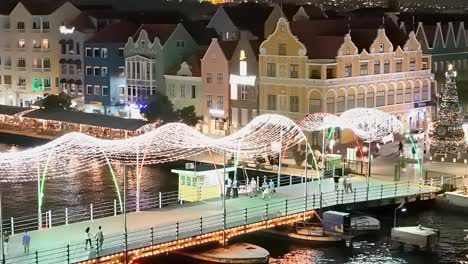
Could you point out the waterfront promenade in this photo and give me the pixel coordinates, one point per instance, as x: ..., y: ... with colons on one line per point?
x: 66, y: 243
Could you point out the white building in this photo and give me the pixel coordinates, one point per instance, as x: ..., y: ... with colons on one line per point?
x: 29, y: 50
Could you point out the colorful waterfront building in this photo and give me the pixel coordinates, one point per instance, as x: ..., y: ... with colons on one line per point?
x: 333, y: 65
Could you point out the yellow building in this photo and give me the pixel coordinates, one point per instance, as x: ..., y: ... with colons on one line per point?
x: 309, y: 66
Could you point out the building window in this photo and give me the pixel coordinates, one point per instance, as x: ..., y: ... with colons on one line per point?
x: 425, y: 93
x: 315, y: 105
x: 63, y: 47
x: 364, y: 68
x: 89, y: 52
x: 78, y: 50
x: 408, y: 95
x: 340, y: 104
x: 209, y: 101
x: 105, y: 90
x: 386, y: 66
x: 213, y: 56
x: 180, y: 44
x: 348, y: 70
x: 220, y: 102
x: 331, y: 104
x: 194, y: 92
x: 370, y: 100
x: 122, y: 71
x: 89, y: 70
x: 282, y: 49
x: 377, y: 67
x: 294, y: 104
x: 64, y: 68
x: 209, y: 78
x: 271, y: 70
x: 121, y: 52
x: 314, y: 74
x: 97, y: 71
x: 399, y: 96
x: 271, y: 102
x: 121, y: 90
x: 103, y: 52
x: 21, y: 81
x: 360, y: 100
x: 97, y: 90
x: 148, y: 71
x: 46, y: 63
x: 390, y: 97
x: 380, y: 98
x: 219, y: 78
x: 21, y: 43
x: 398, y: 65
x: 182, y: 90
x: 45, y: 44
x: 381, y: 48
x: 417, y: 94
x: 96, y: 52
x: 350, y: 103
x: 104, y: 71
x: 22, y: 63
x: 293, y: 71
x: 89, y: 89
x: 20, y: 25
x: 243, y: 92
x: 412, y: 64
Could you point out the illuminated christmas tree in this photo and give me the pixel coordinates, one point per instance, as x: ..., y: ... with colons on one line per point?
x: 449, y: 131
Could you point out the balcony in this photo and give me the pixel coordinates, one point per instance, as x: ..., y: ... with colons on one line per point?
x: 18, y: 68
x: 21, y: 86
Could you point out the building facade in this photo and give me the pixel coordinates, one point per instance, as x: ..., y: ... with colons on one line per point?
x: 105, y: 70
x: 29, y: 51
x: 382, y: 75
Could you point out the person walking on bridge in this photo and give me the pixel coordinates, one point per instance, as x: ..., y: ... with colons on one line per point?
x: 99, y: 239
x: 88, y: 237
x: 26, y: 240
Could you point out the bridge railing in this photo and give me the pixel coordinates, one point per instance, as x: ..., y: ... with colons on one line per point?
x: 51, y: 218
x: 122, y: 242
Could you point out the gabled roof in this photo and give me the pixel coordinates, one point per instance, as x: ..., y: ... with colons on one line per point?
x: 83, y: 23
x: 194, y: 61
x: 117, y: 32
x: 199, y: 32
x: 228, y: 48
x: 314, y: 12
x: 161, y: 31
x: 249, y: 16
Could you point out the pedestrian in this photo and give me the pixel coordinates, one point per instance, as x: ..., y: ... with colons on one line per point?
x: 345, y: 186
x: 235, y: 188
x: 349, y: 184
x: 264, y: 185
x: 400, y: 148
x: 266, y: 193
x: 271, y: 185
x: 99, y: 239
x: 88, y: 237
x: 253, y: 187
x: 336, y: 179
x: 6, y: 239
x: 26, y: 241
x: 228, y: 187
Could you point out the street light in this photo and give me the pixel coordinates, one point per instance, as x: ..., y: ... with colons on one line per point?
x: 403, y: 209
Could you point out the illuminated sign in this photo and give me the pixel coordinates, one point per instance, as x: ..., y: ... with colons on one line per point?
x: 95, y: 103
x: 217, y: 112
x: 65, y: 30
x: 244, y: 80
x: 242, y: 55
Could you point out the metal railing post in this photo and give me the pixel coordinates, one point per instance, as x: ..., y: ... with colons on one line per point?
x: 342, y: 196
x: 68, y: 253
x: 36, y: 257
x: 12, y: 226
x: 50, y: 218
x: 396, y: 186
x: 354, y: 195
x: 66, y: 215
x: 337, y: 197
x: 407, y: 188
x: 381, y: 191
x: 266, y: 211
x: 115, y: 207
x: 367, y: 193
x: 432, y: 182
x: 160, y: 200
x: 201, y: 225
x: 290, y: 180
x: 286, y: 207
x: 177, y: 230
x: 245, y: 214
x: 313, y: 200
x: 442, y: 182
x: 91, y: 211
x: 152, y: 235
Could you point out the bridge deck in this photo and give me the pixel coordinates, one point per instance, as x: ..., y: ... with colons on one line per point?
x: 179, y: 221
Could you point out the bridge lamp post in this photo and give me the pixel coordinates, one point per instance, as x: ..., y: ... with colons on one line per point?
x: 400, y: 207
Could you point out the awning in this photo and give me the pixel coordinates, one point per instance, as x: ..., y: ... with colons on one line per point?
x: 78, y: 82
x: 61, y: 61
x: 63, y: 81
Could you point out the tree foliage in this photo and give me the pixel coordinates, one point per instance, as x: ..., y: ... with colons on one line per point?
x: 161, y: 108
x: 59, y: 101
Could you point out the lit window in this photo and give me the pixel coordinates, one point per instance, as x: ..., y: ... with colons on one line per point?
x: 45, y: 43
x: 21, y: 43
